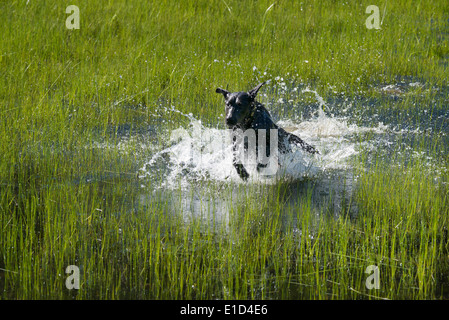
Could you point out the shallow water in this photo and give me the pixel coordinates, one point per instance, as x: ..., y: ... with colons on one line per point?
x: 194, y: 158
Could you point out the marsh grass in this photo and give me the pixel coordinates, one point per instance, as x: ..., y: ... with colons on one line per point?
x: 70, y: 192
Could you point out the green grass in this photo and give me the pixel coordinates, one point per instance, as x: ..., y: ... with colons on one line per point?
x: 64, y: 201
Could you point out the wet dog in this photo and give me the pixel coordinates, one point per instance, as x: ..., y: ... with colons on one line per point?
x: 243, y: 112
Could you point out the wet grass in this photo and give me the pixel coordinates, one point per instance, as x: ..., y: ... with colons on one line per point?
x: 82, y: 110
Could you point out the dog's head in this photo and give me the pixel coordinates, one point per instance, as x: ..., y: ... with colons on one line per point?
x: 238, y: 104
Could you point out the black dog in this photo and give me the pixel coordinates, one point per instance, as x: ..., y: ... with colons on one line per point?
x: 244, y: 112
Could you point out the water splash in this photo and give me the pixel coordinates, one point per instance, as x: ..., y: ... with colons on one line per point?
x: 196, y: 152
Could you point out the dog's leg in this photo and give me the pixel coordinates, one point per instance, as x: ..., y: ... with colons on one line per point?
x: 241, y: 171
x: 298, y: 141
x: 237, y: 165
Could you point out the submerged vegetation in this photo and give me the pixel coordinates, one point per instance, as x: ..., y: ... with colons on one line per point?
x: 83, y: 111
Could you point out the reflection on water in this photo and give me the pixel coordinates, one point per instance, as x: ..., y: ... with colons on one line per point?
x: 330, y: 193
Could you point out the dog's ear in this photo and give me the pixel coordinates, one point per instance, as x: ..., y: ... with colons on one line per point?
x: 253, y: 92
x: 222, y: 91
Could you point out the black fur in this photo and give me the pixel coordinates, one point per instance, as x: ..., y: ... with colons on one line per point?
x: 244, y: 112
